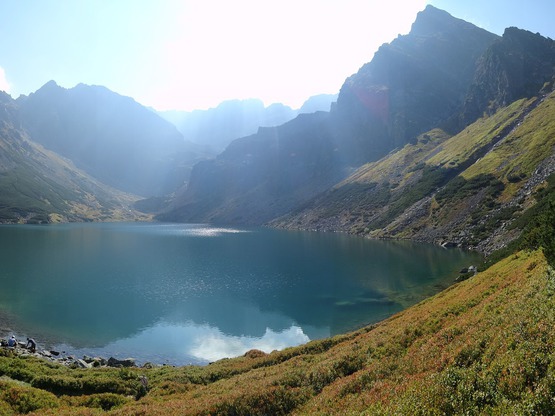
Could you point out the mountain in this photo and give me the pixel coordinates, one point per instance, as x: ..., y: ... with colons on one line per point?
x: 39, y: 186
x: 412, y: 85
x: 321, y: 102
x: 517, y: 66
x: 261, y: 176
x: 474, y: 189
x: 478, y: 173
x: 217, y: 127
x: 109, y: 136
x: 415, y: 83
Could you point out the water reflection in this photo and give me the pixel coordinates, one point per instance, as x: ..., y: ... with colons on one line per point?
x: 206, y: 291
x: 190, y: 344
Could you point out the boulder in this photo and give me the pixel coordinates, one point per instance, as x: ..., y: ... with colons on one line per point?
x: 82, y: 364
x: 127, y: 362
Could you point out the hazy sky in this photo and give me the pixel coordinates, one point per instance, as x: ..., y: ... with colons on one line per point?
x: 187, y: 54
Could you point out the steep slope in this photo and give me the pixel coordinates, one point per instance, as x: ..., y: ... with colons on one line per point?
x: 470, y: 189
x: 38, y: 186
x: 261, y: 176
x: 411, y: 86
x: 111, y: 137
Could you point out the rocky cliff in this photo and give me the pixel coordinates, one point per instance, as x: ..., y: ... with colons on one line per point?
x: 518, y: 65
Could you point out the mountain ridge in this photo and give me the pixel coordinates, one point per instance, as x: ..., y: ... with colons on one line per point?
x: 467, y: 189
x: 38, y: 186
x: 110, y: 136
x: 217, y: 127
x: 390, y: 100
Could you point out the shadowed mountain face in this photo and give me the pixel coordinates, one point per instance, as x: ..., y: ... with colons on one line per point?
x: 111, y: 137
x: 415, y: 83
x: 261, y: 176
x: 39, y: 186
x: 412, y: 85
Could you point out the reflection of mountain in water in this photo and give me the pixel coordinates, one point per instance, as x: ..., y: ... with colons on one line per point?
x: 93, y: 284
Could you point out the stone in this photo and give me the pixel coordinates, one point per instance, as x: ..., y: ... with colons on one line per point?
x: 82, y: 364
x: 114, y: 362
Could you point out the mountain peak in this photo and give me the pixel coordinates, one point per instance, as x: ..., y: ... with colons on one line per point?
x: 432, y: 20
x: 51, y: 83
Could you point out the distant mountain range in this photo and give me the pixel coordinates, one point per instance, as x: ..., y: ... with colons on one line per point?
x: 112, y: 137
x: 87, y: 153
x: 446, y: 136
x: 39, y: 186
x: 217, y: 127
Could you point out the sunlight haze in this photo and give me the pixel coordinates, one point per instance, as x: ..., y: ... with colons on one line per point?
x: 195, y: 54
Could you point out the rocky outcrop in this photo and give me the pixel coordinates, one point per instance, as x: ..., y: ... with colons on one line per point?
x: 519, y: 65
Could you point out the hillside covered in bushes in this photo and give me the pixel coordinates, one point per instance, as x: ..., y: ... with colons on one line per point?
x: 484, y: 346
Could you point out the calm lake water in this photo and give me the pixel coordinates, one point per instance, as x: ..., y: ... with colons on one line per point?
x: 181, y: 293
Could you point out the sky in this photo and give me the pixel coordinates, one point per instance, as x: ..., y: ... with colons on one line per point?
x: 194, y: 54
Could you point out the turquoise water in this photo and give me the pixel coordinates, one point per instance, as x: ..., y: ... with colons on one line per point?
x: 181, y: 293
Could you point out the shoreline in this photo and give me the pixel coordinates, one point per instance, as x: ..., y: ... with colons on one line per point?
x: 70, y: 360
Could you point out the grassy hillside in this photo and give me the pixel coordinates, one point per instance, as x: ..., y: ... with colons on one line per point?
x: 486, y: 345
x: 463, y: 190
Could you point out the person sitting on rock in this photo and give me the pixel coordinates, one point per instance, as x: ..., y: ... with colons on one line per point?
x: 31, y: 344
x: 12, y: 342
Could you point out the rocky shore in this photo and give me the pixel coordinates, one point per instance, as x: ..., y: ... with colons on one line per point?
x: 60, y: 357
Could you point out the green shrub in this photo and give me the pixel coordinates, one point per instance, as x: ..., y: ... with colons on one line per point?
x: 277, y: 401
x: 104, y: 401
x: 27, y: 399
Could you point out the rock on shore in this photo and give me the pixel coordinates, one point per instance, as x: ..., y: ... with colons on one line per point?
x: 70, y: 360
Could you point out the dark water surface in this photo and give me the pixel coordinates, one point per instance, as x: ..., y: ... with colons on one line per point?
x: 182, y: 293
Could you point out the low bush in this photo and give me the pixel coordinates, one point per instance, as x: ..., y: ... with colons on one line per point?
x: 23, y: 399
x: 104, y: 401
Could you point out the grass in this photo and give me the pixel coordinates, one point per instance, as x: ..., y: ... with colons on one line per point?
x: 524, y: 148
x: 475, y: 138
x: 485, y: 345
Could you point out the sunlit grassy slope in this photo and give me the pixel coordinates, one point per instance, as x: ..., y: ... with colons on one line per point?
x: 486, y: 345
x: 464, y: 190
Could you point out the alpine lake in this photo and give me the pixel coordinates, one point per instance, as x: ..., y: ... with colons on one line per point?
x: 191, y: 293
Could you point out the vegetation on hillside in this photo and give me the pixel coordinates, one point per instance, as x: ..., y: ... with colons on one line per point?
x: 467, y: 190
x: 484, y: 346
x: 38, y: 186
